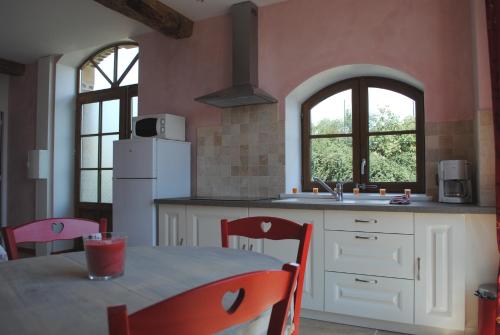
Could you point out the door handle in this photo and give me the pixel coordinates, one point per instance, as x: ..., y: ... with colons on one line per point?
x: 365, y: 281
x: 181, y: 241
x: 244, y: 246
x: 251, y: 247
x: 418, y: 267
x: 363, y: 166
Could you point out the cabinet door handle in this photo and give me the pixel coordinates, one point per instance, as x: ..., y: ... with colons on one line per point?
x: 365, y: 221
x: 181, y: 241
x: 251, y: 247
x: 244, y: 246
x: 366, y: 237
x: 365, y: 281
x: 418, y: 267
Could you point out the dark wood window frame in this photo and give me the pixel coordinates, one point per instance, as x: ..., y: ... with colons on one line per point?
x: 125, y: 94
x: 360, y: 134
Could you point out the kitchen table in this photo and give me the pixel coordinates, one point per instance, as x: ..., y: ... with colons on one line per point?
x: 52, y: 294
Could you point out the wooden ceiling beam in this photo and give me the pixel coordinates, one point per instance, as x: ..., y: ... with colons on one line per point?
x: 11, y: 68
x: 154, y: 14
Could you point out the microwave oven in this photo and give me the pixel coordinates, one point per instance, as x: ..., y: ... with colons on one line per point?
x: 165, y: 126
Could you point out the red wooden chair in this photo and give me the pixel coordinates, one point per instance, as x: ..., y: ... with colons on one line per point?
x: 200, y: 311
x: 49, y: 230
x: 275, y: 229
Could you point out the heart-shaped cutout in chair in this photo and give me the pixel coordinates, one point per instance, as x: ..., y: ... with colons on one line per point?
x: 232, y: 300
x: 265, y: 226
x: 57, y: 227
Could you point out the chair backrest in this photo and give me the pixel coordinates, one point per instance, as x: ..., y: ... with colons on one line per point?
x: 201, y: 310
x: 275, y: 229
x: 49, y: 230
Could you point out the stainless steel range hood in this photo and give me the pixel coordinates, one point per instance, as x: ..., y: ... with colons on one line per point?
x: 244, y: 90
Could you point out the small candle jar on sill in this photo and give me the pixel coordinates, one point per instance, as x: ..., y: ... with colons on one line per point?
x: 315, y: 190
x: 355, y: 191
x: 294, y: 190
x: 408, y: 192
x: 382, y: 191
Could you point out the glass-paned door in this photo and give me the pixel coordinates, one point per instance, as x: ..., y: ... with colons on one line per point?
x: 100, y: 127
x: 103, y: 117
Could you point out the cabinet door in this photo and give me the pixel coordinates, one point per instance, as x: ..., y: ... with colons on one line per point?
x: 286, y: 250
x: 172, y: 225
x: 203, y: 224
x: 440, y: 270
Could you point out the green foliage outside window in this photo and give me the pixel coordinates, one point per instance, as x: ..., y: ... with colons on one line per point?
x: 392, y: 158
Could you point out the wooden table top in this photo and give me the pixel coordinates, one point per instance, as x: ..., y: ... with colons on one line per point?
x: 53, y: 295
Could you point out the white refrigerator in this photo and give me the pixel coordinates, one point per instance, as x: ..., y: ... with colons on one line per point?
x: 145, y: 169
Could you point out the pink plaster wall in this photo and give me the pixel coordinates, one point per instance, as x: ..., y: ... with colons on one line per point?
x: 428, y: 39
x: 174, y: 72
x: 21, y: 138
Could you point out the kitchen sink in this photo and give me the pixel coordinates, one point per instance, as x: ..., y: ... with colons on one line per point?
x: 332, y: 201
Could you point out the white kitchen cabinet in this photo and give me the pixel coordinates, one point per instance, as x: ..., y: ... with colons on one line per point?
x: 172, y: 227
x: 286, y: 250
x: 203, y: 225
x: 440, y: 270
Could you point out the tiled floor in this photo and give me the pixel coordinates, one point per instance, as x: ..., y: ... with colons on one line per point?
x: 314, y: 327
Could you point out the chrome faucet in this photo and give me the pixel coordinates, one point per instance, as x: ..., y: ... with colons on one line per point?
x: 338, y: 194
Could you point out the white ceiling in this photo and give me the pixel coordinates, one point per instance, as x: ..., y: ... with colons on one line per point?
x: 30, y: 29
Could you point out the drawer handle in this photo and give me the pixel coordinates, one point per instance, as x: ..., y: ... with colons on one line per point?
x: 366, y: 281
x: 365, y: 221
x: 366, y: 237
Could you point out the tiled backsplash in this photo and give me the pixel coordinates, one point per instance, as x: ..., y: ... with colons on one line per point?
x: 245, y: 156
x: 446, y: 140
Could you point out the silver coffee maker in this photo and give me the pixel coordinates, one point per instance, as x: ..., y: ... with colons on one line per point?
x: 455, y: 184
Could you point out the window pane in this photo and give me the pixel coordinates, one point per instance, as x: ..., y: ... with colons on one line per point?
x: 134, y: 107
x: 90, y: 118
x: 393, y: 158
x: 106, y: 186
x: 126, y: 54
x: 111, y: 116
x: 88, y: 186
x: 106, y: 62
x: 333, y: 115
x: 89, y: 152
x: 91, y: 79
x: 107, y: 150
x: 331, y: 158
x: 389, y: 110
x: 132, y: 76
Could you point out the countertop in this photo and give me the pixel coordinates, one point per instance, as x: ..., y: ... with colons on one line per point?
x: 322, y: 204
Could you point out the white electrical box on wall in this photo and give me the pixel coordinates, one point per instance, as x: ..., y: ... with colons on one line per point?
x: 38, y: 164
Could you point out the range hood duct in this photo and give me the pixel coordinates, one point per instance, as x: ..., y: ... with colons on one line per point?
x: 244, y: 90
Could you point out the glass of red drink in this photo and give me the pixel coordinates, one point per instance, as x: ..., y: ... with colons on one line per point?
x: 105, y: 254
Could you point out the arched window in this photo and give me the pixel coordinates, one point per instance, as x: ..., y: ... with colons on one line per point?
x: 106, y: 102
x: 367, y: 131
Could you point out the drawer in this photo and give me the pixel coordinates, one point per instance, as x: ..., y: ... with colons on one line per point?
x: 369, y: 297
x: 377, y: 222
x: 376, y: 254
